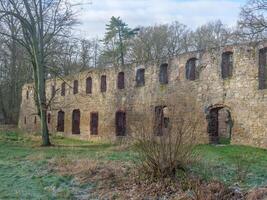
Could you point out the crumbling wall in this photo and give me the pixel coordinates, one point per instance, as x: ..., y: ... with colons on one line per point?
x: 239, y: 93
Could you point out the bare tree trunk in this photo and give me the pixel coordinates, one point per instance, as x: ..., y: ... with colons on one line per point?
x: 41, y: 102
x: 2, y: 106
x: 41, y: 79
x: 43, y: 109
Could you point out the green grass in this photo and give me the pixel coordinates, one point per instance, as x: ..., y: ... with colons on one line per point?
x: 22, y: 177
x: 224, y: 140
x: 233, y: 164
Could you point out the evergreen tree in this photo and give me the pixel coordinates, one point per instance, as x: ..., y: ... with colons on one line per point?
x: 116, y: 39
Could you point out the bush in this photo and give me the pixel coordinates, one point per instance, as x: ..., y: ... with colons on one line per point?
x: 163, y: 153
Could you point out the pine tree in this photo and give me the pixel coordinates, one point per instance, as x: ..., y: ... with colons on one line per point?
x: 116, y: 37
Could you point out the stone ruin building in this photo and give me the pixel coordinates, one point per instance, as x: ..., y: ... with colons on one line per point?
x: 229, y: 83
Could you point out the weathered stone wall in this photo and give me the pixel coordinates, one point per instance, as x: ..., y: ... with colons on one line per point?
x: 239, y: 94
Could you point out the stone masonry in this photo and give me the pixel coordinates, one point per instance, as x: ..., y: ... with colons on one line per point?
x: 230, y: 101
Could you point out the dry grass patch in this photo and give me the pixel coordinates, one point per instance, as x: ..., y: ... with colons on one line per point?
x: 213, y: 190
x: 113, y: 179
x: 85, y: 170
x: 117, y: 180
x: 257, y: 194
x: 36, y: 157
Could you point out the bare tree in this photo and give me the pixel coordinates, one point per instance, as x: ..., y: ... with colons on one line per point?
x: 12, y: 65
x: 157, y: 43
x: 253, y: 22
x: 66, y: 57
x: 89, y: 52
x: 85, y: 53
x: 150, y: 44
x: 210, y: 35
x: 40, y: 22
x: 177, y: 39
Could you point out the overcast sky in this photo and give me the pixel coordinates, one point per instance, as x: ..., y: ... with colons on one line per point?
x: 93, y: 16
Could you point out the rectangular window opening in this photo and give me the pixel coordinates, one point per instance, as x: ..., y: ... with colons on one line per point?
x: 227, y: 65
x: 103, y: 87
x: 120, y: 82
x: 120, y: 123
x: 262, y: 68
x: 163, y: 74
x: 94, y: 124
x: 140, y: 77
x: 89, y: 85
x: 75, y: 87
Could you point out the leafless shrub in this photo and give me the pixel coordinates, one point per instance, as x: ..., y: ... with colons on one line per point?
x: 167, y: 145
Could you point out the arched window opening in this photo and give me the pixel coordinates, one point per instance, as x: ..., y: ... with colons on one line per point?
x: 103, y: 87
x: 25, y: 120
x: 163, y: 73
x: 89, y: 85
x: 262, y: 68
x: 120, y: 119
x: 227, y: 64
x: 63, y: 89
x: 60, y: 121
x: 49, y: 118
x: 76, y: 121
x: 191, y: 71
x: 75, y: 87
x: 140, y: 77
x: 35, y: 119
x: 120, y: 82
x: 94, y: 123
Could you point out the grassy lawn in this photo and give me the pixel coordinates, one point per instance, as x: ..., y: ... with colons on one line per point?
x: 233, y: 164
x: 25, y: 171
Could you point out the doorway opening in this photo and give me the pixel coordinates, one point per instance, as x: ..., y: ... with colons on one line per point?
x: 220, y: 125
x: 94, y: 123
x: 60, y: 121
x: 76, y: 121
x: 120, y: 123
